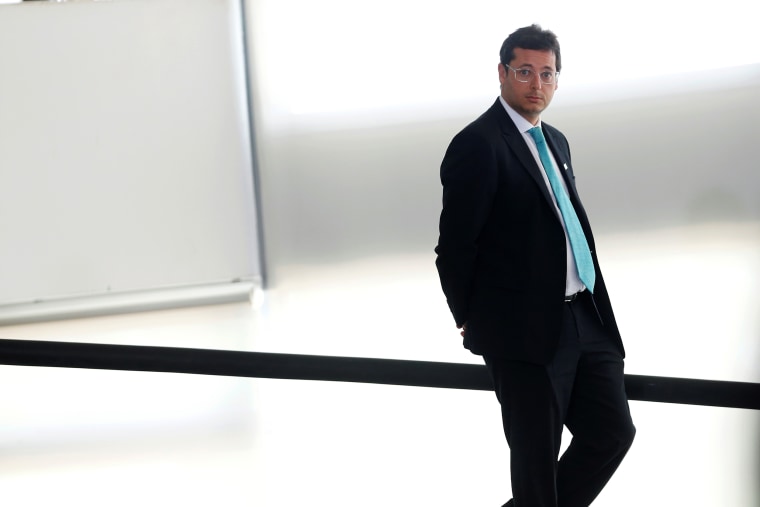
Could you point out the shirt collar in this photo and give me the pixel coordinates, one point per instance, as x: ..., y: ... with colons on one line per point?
x: 521, y: 123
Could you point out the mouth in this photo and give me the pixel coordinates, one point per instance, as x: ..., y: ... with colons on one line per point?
x: 534, y: 98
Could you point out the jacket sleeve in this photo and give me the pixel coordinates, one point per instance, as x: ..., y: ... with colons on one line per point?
x: 469, y: 175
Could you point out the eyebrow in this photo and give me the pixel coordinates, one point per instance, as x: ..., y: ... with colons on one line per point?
x: 547, y: 67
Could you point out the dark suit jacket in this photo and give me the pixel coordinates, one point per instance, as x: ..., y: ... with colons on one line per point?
x: 501, y: 250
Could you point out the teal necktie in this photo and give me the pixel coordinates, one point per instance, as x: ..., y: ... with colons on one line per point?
x: 575, y: 234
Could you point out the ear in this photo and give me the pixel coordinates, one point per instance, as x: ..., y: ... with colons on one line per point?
x: 502, y: 73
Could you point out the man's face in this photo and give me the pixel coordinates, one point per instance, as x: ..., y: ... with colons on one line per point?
x: 531, y: 98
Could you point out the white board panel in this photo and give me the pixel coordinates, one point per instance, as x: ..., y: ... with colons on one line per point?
x: 125, y: 159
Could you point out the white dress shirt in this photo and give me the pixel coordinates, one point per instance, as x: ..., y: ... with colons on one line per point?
x: 573, y: 282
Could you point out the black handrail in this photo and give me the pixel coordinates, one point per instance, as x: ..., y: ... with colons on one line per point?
x: 715, y: 393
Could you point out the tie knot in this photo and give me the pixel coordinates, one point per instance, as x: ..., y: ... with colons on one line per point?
x: 536, y: 134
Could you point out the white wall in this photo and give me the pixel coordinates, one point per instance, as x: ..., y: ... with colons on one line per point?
x: 662, y: 123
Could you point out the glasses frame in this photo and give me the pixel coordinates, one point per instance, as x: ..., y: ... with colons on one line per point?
x: 555, y: 76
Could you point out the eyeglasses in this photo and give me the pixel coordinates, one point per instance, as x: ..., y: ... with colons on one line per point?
x: 524, y: 75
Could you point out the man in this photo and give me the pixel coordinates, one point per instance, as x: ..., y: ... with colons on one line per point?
x: 517, y: 264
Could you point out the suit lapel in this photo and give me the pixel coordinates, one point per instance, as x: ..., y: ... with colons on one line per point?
x: 563, y: 160
x: 516, y: 142
x: 514, y: 139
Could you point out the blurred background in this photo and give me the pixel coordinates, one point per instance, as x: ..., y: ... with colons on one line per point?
x: 263, y: 175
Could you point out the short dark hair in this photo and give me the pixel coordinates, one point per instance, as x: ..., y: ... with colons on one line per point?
x: 530, y: 37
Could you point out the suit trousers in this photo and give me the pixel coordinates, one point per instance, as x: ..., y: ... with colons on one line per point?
x: 581, y: 388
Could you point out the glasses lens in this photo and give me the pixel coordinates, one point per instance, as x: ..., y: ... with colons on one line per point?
x: 547, y: 77
x: 523, y: 75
